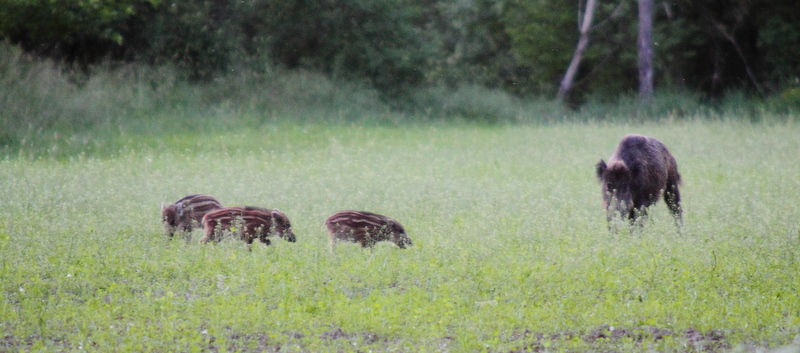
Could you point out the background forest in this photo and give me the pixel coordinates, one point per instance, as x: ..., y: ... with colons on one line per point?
x: 523, y: 47
x: 484, y: 60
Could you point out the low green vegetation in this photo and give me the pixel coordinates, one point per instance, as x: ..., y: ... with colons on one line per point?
x: 511, y: 250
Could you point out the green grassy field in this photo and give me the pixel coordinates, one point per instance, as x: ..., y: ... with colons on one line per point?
x: 511, y: 250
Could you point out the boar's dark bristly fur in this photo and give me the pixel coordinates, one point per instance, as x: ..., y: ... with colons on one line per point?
x: 187, y: 213
x: 250, y: 222
x: 637, y: 174
x: 365, y: 228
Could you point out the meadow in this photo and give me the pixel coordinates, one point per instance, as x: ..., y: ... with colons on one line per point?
x: 511, y: 251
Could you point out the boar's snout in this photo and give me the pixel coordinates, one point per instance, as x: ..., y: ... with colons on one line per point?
x: 403, y: 241
x: 619, y: 206
x: 289, y: 236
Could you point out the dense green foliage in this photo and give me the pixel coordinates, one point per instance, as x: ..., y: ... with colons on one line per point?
x: 707, y: 47
x: 511, y: 251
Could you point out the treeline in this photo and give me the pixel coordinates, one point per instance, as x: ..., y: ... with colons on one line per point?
x: 705, y: 47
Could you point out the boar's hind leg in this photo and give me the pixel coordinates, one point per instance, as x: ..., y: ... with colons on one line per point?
x: 672, y: 196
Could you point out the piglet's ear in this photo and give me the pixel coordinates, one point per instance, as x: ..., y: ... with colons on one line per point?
x: 601, y: 168
x: 162, y: 206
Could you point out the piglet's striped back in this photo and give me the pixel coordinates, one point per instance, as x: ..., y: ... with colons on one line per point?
x: 366, y: 228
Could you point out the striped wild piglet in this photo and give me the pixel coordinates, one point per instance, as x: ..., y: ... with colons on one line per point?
x: 187, y: 214
x: 365, y: 228
x: 249, y: 223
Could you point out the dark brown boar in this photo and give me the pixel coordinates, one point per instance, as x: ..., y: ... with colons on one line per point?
x: 365, y: 228
x: 187, y: 213
x: 637, y: 174
x: 251, y: 223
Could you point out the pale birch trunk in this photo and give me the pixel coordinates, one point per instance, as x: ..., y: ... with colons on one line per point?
x: 583, y: 42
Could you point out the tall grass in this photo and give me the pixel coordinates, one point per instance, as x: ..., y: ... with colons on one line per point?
x: 52, y: 110
x: 510, y: 247
x: 56, y: 111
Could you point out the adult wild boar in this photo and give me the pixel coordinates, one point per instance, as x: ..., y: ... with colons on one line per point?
x: 365, y: 228
x: 637, y: 174
x: 187, y: 213
x: 251, y: 223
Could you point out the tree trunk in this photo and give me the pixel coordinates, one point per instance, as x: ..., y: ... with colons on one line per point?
x: 645, y: 47
x: 585, y: 26
x: 731, y: 39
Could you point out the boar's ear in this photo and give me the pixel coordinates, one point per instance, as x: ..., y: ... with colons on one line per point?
x: 601, y: 168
